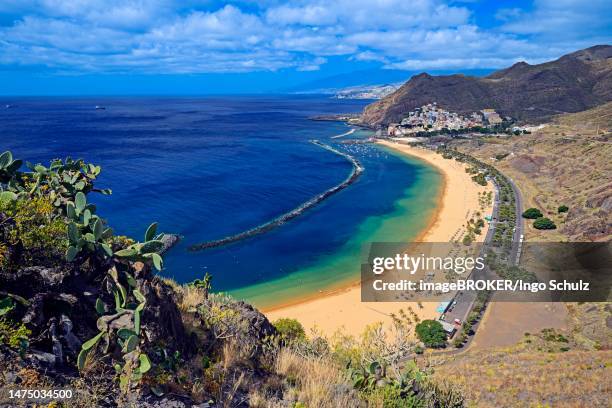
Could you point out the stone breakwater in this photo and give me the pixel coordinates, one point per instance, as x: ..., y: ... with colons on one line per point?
x: 282, y: 219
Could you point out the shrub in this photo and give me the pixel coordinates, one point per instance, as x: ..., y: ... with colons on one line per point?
x: 459, y: 340
x: 480, y: 179
x: 563, y: 209
x: 289, y: 330
x: 532, y: 213
x: 501, y: 156
x: 473, y: 317
x: 431, y: 333
x: 390, y: 396
x: 13, y: 335
x: 37, y: 229
x: 543, y: 223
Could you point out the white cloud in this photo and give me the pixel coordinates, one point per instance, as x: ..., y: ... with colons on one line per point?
x: 165, y: 36
x: 562, y: 20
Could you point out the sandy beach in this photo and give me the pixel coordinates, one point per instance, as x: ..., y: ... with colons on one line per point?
x: 343, y: 310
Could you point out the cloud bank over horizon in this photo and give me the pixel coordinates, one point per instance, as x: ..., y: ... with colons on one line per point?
x: 62, y: 38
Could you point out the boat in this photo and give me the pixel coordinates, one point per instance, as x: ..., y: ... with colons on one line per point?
x: 98, y: 107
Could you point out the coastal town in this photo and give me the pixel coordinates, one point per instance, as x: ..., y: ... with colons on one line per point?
x: 433, y: 119
x: 422, y: 124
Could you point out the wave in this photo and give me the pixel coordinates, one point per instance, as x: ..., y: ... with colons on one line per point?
x: 280, y: 220
x: 350, y: 132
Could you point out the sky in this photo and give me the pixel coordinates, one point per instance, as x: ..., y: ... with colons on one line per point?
x: 95, y: 47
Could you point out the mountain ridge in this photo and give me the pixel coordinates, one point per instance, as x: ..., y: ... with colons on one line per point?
x: 534, y: 93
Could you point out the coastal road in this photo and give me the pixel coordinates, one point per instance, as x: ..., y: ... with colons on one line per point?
x: 519, y: 227
x: 465, y: 300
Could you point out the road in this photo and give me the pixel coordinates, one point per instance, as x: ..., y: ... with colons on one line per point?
x: 465, y: 300
x: 519, y: 226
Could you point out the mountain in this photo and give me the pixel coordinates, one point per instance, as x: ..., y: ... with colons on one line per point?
x: 533, y: 93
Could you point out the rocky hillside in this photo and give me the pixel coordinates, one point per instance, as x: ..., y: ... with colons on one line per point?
x: 567, y: 162
x: 534, y: 93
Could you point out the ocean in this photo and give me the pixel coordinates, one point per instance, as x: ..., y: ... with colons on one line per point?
x: 206, y: 168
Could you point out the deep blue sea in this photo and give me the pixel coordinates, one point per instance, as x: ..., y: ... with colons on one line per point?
x: 209, y: 167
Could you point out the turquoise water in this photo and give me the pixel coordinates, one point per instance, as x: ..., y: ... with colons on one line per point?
x: 410, y: 215
x: 207, y: 168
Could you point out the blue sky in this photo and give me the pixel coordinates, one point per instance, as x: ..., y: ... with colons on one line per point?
x: 200, y: 47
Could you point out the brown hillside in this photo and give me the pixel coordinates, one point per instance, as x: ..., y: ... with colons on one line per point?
x: 568, y: 162
x: 572, y: 83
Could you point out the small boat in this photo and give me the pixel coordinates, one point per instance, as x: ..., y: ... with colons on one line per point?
x: 8, y: 106
x: 98, y: 107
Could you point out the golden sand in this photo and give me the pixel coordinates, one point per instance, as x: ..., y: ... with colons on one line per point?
x: 343, y: 310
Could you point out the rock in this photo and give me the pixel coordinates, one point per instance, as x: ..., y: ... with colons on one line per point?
x: 162, y: 318
x: 58, y: 350
x: 36, y: 276
x: 244, y: 324
x: 11, y: 378
x: 70, y: 339
x: 169, y: 241
x: 42, y: 358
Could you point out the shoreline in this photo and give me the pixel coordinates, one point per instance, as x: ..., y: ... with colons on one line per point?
x: 341, y: 308
x: 355, y: 284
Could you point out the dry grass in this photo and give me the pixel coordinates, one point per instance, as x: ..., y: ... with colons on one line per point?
x: 191, y: 298
x: 318, y: 382
x: 505, y: 378
x: 568, y: 162
x: 258, y: 399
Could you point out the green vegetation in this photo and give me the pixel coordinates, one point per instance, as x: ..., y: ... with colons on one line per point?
x: 508, y: 271
x: 431, y: 333
x: 562, y: 209
x: 289, y: 330
x: 501, y: 156
x: 502, y: 236
x: 504, y: 127
x: 14, y: 335
x: 544, y: 223
x: 532, y: 213
x: 480, y: 179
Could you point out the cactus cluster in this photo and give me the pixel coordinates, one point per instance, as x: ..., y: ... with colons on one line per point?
x: 8, y: 167
x: 121, y: 328
x: 8, y: 173
x: 66, y: 183
x: 86, y: 231
x: 64, y: 179
x: 145, y: 251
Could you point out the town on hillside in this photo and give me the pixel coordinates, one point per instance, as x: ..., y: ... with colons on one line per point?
x: 431, y: 119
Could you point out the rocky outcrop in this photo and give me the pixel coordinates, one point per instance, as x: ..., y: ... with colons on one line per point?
x: 169, y: 241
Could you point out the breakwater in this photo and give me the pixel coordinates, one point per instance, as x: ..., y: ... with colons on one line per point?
x: 350, y: 132
x: 280, y: 220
